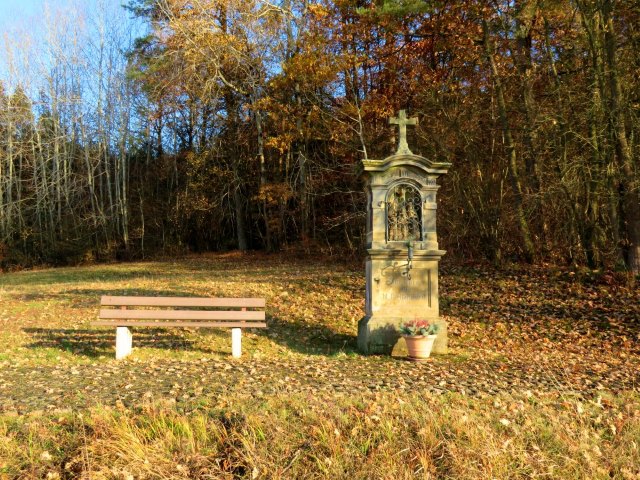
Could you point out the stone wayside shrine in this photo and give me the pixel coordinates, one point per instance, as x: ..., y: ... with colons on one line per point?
x: 402, y: 245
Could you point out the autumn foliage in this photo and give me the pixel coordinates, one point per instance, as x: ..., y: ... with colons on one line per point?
x: 251, y: 119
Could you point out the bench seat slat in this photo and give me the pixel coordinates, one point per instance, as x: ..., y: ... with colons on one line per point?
x: 138, y: 323
x: 116, y: 301
x: 182, y: 314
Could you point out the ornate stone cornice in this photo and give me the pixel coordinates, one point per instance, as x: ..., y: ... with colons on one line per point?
x: 401, y: 253
x: 404, y: 160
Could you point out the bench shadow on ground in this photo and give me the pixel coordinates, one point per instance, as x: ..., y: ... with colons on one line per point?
x: 295, y: 336
x: 97, y: 342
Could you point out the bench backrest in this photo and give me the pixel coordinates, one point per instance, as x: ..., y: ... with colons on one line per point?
x: 109, y: 300
x: 222, y: 310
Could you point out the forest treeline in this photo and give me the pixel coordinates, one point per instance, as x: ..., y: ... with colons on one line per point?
x: 242, y: 123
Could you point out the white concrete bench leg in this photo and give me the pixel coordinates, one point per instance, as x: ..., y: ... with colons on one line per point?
x: 124, y: 342
x: 236, y: 342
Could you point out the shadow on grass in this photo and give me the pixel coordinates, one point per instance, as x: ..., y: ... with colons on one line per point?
x: 77, y: 275
x: 300, y: 337
x: 94, y: 343
x: 91, y: 297
x: 551, y: 319
x: 310, y: 339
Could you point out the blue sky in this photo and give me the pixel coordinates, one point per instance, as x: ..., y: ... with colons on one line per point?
x: 12, y: 9
x: 26, y: 26
x: 17, y: 13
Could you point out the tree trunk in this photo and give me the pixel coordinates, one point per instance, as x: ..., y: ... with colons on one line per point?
x: 263, y: 181
x: 302, y: 162
x: 239, y: 214
x: 516, y: 185
x: 630, y: 183
x: 527, y: 11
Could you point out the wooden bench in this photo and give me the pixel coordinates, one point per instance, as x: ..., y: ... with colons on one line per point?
x: 187, y: 312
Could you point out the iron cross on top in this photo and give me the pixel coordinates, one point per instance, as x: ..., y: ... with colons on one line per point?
x: 402, y: 121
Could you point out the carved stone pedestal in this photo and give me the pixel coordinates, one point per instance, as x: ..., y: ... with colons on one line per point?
x: 396, y: 294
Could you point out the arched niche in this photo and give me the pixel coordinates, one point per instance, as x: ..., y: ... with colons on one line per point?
x: 404, y: 217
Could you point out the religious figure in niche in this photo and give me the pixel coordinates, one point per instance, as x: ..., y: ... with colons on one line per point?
x: 404, y: 214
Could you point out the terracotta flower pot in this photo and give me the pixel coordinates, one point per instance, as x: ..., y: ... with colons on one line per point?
x: 419, y: 346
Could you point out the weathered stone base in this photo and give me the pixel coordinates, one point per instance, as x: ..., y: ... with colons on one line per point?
x: 380, y: 335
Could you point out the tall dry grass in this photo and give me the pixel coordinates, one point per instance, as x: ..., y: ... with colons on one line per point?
x: 383, y: 437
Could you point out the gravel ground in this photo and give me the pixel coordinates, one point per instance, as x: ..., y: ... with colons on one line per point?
x: 25, y: 389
